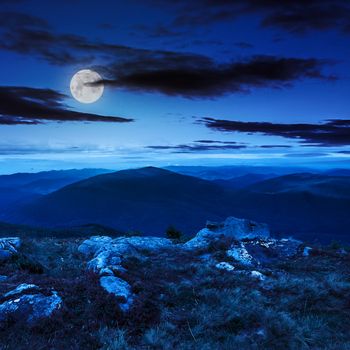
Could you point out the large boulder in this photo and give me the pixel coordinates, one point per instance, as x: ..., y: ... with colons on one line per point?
x: 232, y: 227
x: 27, y: 303
x: 93, y: 244
x: 271, y: 250
x: 8, y: 247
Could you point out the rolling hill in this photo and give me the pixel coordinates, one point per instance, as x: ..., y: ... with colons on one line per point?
x: 317, y: 184
x: 307, y: 206
x: 146, y: 199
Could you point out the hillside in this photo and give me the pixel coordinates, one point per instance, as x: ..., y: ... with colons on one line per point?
x: 231, y: 287
x: 147, y: 199
x: 317, y: 184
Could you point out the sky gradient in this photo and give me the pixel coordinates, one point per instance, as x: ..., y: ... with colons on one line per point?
x: 210, y: 83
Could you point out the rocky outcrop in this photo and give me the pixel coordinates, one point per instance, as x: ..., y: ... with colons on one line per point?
x: 232, y: 227
x: 107, y: 256
x: 8, y: 247
x: 28, y: 303
x: 248, y: 246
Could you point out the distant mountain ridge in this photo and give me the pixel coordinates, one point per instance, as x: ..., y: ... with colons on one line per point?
x: 308, y: 206
x: 20, y: 188
x: 323, y: 185
x: 147, y: 199
x: 47, y: 181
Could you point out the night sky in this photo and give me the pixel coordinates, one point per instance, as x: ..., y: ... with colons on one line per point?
x: 201, y: 82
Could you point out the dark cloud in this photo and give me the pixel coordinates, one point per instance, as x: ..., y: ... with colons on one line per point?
x: 23, y: 105
x: 172, y: 73
x: 294, y: 16
x: 27, y: 34
x: 194, y: 76
x: 333, y: 132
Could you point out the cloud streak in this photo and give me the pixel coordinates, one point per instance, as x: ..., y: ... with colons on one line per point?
x: 333, y: 132
x: 198, y: 77
x: 200, y: 146
x: 30, y: 106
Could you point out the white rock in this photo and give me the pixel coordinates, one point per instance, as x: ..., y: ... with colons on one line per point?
x: 10, y: 242
x: 106, y: 271
x: 225, y: 266
x: 8, y: 247
x: 240, y: 254
x: 21, y: 288
x: 110, y: 253
x: 119, y: 288
x: 258, y: 275
x: 232, y: 227
x: 31, y: 307
x: 103, y: 260
x: 236, y: 228
x: 93, y: 244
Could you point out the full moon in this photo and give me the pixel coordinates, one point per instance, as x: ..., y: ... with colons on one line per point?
x: 81, y: 88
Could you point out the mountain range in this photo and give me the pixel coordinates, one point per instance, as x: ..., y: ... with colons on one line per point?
x: 305, y: 205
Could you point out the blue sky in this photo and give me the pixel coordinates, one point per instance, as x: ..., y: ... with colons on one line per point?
x: 160, y: 50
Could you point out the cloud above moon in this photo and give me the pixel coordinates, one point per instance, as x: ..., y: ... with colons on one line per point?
x: 30, y: 106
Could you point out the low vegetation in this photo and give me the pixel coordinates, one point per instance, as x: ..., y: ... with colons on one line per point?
x: 182, y: 302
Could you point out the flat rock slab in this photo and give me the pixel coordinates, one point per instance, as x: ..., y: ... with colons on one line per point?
x: 28, y: 307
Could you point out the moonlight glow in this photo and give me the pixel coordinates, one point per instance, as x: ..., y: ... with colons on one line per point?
x: 81, y: 89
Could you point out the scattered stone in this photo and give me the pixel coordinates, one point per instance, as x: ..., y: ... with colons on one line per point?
x: 258, y: 275
x: 225, y: 266
x: 30, y: 307
x: 306, y: 251
x: 8, y: 247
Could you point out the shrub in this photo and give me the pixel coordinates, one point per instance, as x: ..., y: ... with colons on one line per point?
x: 173, y: 233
